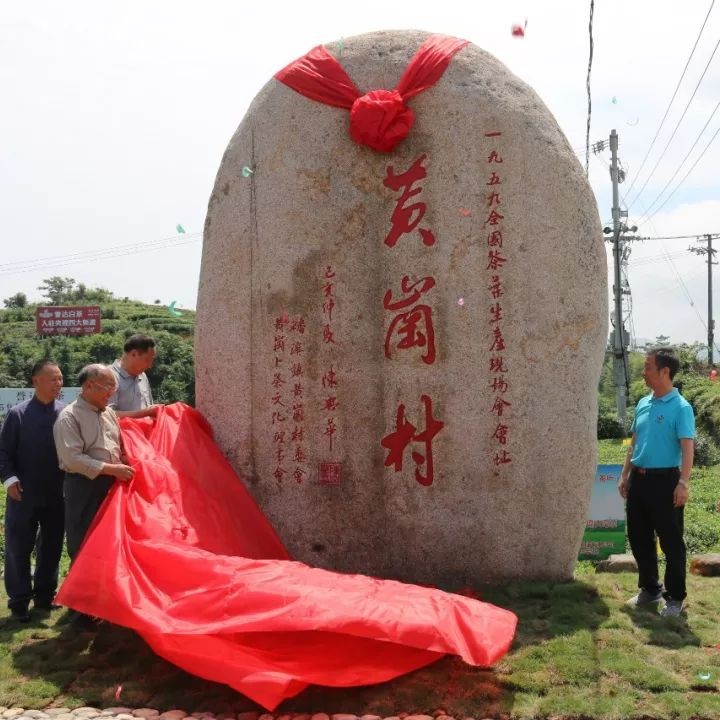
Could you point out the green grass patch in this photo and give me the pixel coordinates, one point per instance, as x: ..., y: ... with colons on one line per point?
x: 579, y: 653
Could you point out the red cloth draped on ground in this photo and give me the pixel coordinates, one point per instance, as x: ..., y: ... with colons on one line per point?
x: 379, y: 119
x: 184, y: 556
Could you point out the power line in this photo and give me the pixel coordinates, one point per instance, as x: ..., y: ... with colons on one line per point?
x: 26, y: 266
x: 587, y: 85
x: 667, y: 110
x: 684, y: 160
x: 685, y: 177
x: 682, y: 117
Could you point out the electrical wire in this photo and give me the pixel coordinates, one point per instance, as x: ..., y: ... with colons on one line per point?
x: 682, y: 117
x: 667, y: 110
x: 26, y: 266
x: 685, y: 177
x: 587, y: 84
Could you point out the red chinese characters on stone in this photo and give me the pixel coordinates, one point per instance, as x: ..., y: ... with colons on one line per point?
x: 499, y: 406
x: 405, y: 218
x: 329, y: 473
x: 414, y: 327
x: 494, y: 157
x: 496, y: 260
x: 330, y: 430
x: 328, y: 335
x: 405, y: 432
x: 329, y: 379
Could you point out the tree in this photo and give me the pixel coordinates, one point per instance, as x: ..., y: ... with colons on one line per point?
x: 57, y: 290
x: 19, y: 300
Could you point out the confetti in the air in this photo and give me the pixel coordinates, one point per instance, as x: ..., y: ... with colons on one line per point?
x: 246, y: 171
x: 519, y: 30
x: 180, y: 229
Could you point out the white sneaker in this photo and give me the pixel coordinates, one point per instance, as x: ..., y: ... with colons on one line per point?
x: 645, y: 598
x: 672, y: 608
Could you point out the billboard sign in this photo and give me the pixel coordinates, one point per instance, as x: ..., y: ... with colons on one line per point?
x: 67, y: 320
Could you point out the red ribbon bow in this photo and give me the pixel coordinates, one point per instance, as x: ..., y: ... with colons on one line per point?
x: 379, y: 119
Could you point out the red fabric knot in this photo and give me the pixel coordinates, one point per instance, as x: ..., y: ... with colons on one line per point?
x: 380, y: 119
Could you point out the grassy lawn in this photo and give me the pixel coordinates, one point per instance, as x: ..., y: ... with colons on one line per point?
x: 579, y: 652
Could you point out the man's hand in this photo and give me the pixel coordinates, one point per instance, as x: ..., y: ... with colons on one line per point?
x: 15, y: 491
x: 623, y: 487
x: 152, y: 410
x: 120, y: 471
x: 680, y: 496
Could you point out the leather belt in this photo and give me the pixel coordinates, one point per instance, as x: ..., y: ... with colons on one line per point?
x: 653, y: 471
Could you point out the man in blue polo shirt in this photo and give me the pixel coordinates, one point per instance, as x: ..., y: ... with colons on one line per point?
x: 655, y: 479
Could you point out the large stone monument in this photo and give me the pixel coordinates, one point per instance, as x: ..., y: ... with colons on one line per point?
x: 399, y: 351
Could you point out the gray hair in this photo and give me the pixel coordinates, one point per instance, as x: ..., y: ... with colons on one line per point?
x: 90, y: 372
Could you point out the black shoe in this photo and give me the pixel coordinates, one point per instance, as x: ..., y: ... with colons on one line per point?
x: 46, y: 605
x: 20, y: 615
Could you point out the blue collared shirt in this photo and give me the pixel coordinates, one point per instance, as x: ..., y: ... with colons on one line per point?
x: 659, y: 425
x: 27, y: 451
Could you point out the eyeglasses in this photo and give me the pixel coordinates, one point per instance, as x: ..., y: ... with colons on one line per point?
x: 105, y: 388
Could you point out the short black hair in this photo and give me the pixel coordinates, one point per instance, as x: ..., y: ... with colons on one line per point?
x: 40, y: 365
x: 140, y: 342
x: 665, y: 357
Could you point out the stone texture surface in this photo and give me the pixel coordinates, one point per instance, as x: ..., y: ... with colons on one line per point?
x: 707, y: 565
x: 316, y: 201
x: 618, y: 563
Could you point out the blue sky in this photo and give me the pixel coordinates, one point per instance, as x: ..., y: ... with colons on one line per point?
x: 116, y: 114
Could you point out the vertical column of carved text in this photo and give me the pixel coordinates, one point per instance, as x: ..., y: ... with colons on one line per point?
x: 496, y: 260
x: 329, y: 471
x: 299, y: 457
x: 279, y: 401
x: 410, y: 325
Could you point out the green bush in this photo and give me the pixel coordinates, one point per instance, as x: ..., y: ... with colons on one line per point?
x: 707, y: 451
x: 609, y: 427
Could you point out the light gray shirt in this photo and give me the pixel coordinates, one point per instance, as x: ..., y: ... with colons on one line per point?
x: 133, y: 392
x: 86, y: 438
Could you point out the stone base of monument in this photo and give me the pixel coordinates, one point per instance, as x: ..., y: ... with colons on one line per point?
x: 707, y: 565
x: 618, y: 563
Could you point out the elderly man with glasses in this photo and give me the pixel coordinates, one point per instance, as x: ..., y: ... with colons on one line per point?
x: 87, y: 439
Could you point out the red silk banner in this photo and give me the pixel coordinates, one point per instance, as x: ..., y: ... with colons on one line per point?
x: 379, y: 119
x: 183, y: 555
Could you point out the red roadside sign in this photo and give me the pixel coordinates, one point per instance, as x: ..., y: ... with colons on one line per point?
x: 67, y: 320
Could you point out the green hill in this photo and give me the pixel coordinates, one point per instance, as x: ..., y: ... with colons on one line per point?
x: 172, y: 377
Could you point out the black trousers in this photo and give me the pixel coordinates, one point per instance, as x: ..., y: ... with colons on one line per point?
x: 83, y: 498
x: 22, y: 522
x: 650, y: 511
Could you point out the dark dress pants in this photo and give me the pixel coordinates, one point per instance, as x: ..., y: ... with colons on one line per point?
x: 650, y: 511
x: 22, y: 522
x: 83, y: 498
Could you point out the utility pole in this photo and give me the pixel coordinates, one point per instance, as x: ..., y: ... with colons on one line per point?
x: 711, y: 323
x: 619, y: 330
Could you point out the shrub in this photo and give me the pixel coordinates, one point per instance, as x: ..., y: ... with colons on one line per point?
x: 609, y: 427
x: 707, y: 451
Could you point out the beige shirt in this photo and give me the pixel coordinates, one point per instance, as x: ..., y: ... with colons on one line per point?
x: 86, y: 438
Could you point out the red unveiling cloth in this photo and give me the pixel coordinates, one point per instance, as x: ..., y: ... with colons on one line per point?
x: 380, y: 119
x: 184, y: 556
